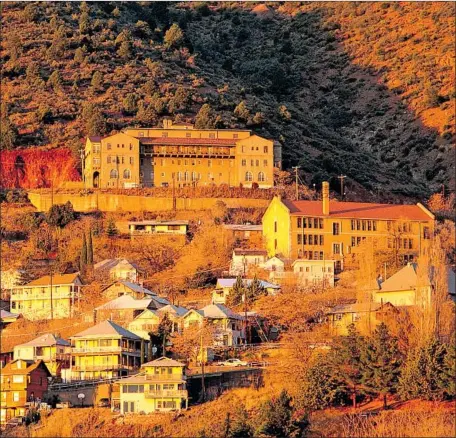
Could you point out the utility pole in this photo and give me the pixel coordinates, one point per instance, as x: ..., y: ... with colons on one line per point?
x: 174, y: 193
x: 245, y: 303
x: 341, y: 178
x: 203, y: 386
x: 296, y: 180
x: 52, y: 301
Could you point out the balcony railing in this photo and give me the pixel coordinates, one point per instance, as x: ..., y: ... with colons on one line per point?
x: 108, y: 349
x: 103, y: 367
x: 165, y: 377
x: 166, y: 393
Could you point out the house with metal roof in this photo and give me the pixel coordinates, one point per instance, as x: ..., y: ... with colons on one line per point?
x: 244, y: 260
x: 125, y: 287
x: 153, y: 227
x: 54, y: 351
x: 119, y: 269
x: 160, y: 387
x: 48, y: 297
x: 106, y: 350
x: 225, y: 285
x: 7, y: 318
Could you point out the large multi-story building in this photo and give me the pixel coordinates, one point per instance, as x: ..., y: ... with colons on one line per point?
x: 48, y: 297
x: 182, y: 155
x: 321, y: 230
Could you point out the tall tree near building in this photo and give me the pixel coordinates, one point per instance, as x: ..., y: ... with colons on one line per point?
x: 89, y: 249
x: 382, y: 364
x: 83, y: 255
x: 237, y: 293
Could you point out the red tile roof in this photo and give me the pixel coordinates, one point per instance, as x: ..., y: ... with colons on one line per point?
x: 188, y: 141
x: 358, y: 210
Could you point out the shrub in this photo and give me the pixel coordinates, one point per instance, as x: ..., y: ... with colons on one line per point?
x: 60, y: 215
x: 173, y: 36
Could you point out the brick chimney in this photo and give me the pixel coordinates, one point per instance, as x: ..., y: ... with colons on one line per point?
x: 325, y: 197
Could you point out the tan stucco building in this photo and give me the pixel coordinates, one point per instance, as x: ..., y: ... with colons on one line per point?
x: 179, y: 154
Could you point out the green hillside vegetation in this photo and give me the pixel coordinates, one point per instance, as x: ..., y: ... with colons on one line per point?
x: 74, y: 69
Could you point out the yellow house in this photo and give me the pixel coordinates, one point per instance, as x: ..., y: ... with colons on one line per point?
x: 145, y: 323
x: 106, y: 350
x: 404, y: 288
x: 161, y: 387
x: 125, y: 287
x: 319, y: 230
x: 38, y: 300
x: 365, y: 316
x: 55, y: 352
x: 119, y: 269
x: 179, y: 154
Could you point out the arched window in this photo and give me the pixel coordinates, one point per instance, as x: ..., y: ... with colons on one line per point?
x: 261, y: 177
x: 248, y: 176
x: 114, y: 173
x: 127, y: 174
x: 194, y: 176
x: 186, y: 176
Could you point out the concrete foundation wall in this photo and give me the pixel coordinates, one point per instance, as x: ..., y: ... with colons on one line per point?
x: 112, y: 202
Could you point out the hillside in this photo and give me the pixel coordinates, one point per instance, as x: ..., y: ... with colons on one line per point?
x: 342, y: 93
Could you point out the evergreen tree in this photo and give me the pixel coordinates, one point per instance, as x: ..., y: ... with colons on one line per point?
x: 173, y: 36
x: 9, y: 134
x: 422, y: 372
x: 84, y: 23
x: 157, y: 103
x: 382, y: 362
x: 237, y: 293
x: 55, y: 80
x: 254, y: 290
x: 33, y: 76
x: 129, y: 104
x: 125, y: 50
x: 146, y: 114
x: 60, y: 215
x: 111, y: 230
x: 164, y: 330
x: 447, y: 380
x: 97, y: 81
x: 239, y: 425
x: 95, y: 122
x: 276, y: 418
x: 83, y: 255
x: 205, y: 117
x: 89, y: 249
x: 346, y: 364
x: 79, y: 55
x: 227, y: 426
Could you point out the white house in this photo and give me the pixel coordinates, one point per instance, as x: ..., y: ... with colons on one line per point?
x: 225, y: 285
x: 119, y: 269
x: 244, y: 259
x: 274, y: 264
x: 314, y: 272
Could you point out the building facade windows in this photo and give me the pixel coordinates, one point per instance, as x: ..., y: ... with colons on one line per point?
x: 127, y: 174
x: 114, y: 174
x: 248, y: 176
x: 261, y: 177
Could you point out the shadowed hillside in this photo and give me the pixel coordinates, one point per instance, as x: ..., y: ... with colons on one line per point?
x: 326, y: 80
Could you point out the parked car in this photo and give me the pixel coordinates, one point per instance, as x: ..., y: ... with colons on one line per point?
x: 103, y: 403
x: 233, y: 363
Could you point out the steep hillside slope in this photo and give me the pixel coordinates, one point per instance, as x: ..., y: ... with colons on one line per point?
x: 312, y: 76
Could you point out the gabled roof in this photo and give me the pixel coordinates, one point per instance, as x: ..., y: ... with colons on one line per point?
x: 175, y: 310
x: 144, y: 313
x: 219, y: 311
x: 359, y: 307
x: 46, y: 340
x: 126, y: 302
x: 229, y: 282
x: 4, y: 314
x: 137, y: 287
x: 9, y: 369
x: 359, y: 210
x: 249, y: 252
x: 243, y: 227
x: 404, y: 279
x: 199, y: 312
x: 106, y: 328
x: 109, y: 264
x: 159, y: 301
x: 56, y: 279
x: 163, y: 362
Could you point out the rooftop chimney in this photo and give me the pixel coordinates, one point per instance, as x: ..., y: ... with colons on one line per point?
x: 325, y: 197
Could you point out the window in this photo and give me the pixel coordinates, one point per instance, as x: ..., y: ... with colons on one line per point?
x: 209, y: 163
x: 316, y: 255
x: 363, y: 223
x: 257, y: 163
x: 374, y: 225
x: 132, y: 160
x: 243, y: 162
x: 369, y: 225
x: 109, y: 146
x: 336, y: 228
x: 426, y: 233
x: 261, y: 177
x: 114, y: 173
x: 211, y: 135
x: 252, y: 163
x: 309, y: 222
x: 194, y: 176
x: 127, y: 174
x: 336, y: 248
x: 242, y: 148
x: 248, y: 176
x: 353, y: 224
x: 305, y: 239
x: 188, y: 135
x: 358, y: 225
x: 123, y: 160
x: 108, y: 159
x: 275, y: 226
x: 131, y: 147
x: 299, y: 239
x: 320, y: 222
x: 410, y: 242
x: 186, y: 176
x: 304, y: 222
x: 96, y: 149
x: 321, y: 239
x: 265, y: 149
x: 96, y: 161
x: 18, y: 379
x: 15, y: 396
x: 299, y: 222
x: 310, y: 239
x: 265, y: 163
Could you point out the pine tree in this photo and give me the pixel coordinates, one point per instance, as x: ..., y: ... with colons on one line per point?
x: 111, y: 230
x: 254, y: 290
x: 382, y: 363
x: 129, y: 104
x: 237, y: 293
x: 125, y: 51
x: 447, y: 380
x: 79, y: 55
x: 89, y: 249
x: 55, y: 80
x: 84, y: 23
x: 83, y: 256
x: 9, y: 134
x: 227, y: 426
x: 241, y: 111
x: 164, y: 330
x: 97, y: 81
x: 346, y: 364
x: 95, y: 123
x: 240, y: 427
